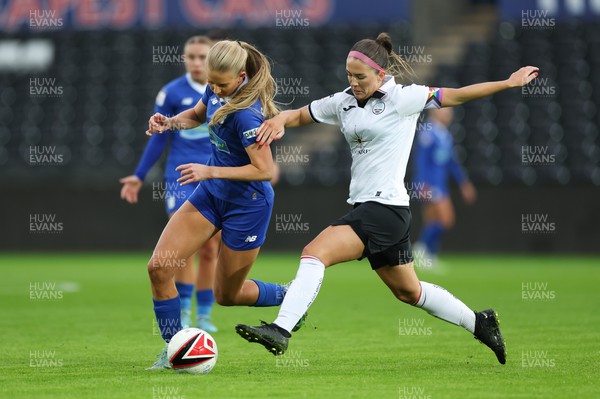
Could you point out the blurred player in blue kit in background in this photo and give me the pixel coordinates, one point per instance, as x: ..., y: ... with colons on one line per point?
x: 435, y: 163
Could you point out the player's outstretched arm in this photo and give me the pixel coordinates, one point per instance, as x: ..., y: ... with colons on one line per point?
x: 188, y: 119
x: 454, y: 97
x: 274, y: 128
x: 260, y: 168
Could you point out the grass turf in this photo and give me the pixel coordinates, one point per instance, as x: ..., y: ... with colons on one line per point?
x: 94, y: 338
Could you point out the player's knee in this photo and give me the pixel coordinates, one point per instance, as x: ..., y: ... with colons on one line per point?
x: 313, y: 250
x: 224, y: 298
x: 157, y: 273
x: 410, y: 296
x: 208, y: 256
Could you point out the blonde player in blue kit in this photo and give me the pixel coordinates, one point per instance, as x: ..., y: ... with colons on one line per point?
x: 185, y: 146
x: 234, y: 195
x: 378, y: 119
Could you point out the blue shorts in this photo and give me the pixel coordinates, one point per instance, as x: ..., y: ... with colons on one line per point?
x: 244, y: 227
x: 176, y: 194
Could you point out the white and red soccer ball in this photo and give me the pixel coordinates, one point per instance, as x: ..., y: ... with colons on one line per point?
x: 192, y: 351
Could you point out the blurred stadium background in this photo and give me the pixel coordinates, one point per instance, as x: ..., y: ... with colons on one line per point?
x: 78, y: 81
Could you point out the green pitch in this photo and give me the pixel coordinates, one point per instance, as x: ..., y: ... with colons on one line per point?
x: 82, y: 326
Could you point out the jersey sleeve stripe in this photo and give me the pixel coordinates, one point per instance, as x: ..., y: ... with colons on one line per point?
x: 311, y: 114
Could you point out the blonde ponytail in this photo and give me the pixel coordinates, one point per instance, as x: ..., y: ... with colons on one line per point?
x: 236, y: 57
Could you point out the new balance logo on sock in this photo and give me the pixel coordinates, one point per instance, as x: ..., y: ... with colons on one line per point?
x: 250, y: 239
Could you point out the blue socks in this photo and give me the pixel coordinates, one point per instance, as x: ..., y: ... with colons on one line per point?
x: 204, y: 300
x: 168, y: 312
x: 431, y: 236
x: 185, y: 293
x: 269, y: 294
x: 168, y: 317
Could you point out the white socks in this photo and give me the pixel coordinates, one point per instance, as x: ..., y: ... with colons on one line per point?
x: 305, y: 287
x: 440, y: 303
x: 302, y: 292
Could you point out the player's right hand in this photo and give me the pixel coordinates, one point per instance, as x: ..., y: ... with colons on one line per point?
x: 468, y: 192
x: 269, y: 130
x: 131, y: 187
x: 157, y: 123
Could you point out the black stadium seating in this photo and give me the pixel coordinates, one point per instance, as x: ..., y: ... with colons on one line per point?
x: 560, y: 114
x: 109, y: 83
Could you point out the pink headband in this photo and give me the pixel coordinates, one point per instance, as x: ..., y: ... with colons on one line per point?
x: 365, y: 59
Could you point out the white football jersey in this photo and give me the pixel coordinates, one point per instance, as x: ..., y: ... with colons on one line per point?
x: 380, y: 135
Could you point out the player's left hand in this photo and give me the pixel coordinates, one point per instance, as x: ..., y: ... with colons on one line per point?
x: 523, y: 76
x: 269, y: 130
x: 193, y: 172
x: 468, y: 192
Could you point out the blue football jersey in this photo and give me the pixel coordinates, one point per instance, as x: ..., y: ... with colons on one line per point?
x: 435, y: 159
x: 185, y: 146
x: 229, y: 140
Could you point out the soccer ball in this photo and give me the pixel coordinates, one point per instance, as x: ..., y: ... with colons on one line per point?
x: 192, y: 351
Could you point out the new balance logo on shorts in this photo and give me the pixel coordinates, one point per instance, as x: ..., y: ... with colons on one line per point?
x: 250, y: 239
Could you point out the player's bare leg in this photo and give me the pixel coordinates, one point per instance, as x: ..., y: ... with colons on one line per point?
x: 186, y: 231
x: 442, y: 210
x: 230, y: 285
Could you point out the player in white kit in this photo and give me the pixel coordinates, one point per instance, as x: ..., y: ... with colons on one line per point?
x: 378, y: 119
